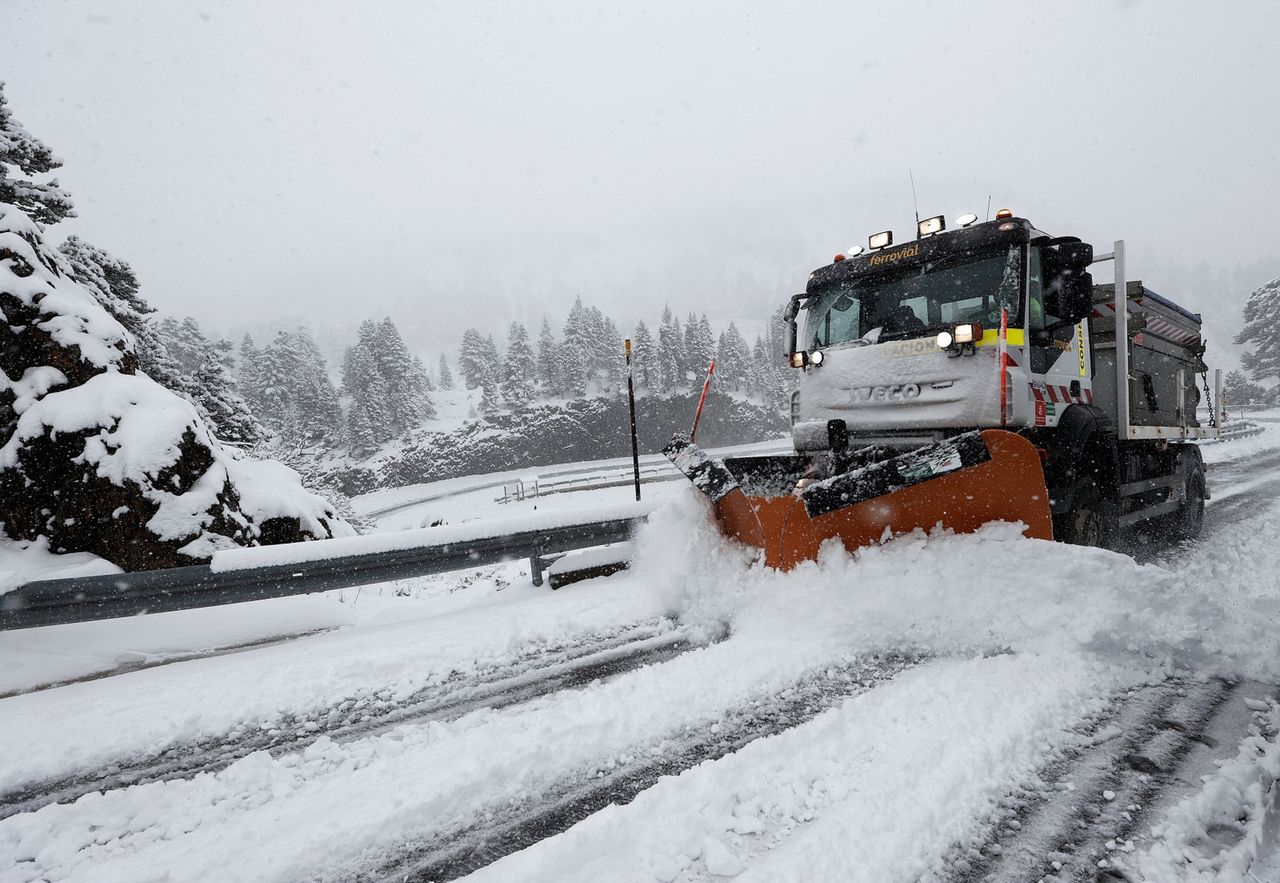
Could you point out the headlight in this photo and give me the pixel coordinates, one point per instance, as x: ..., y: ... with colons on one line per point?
x: 968, y: 333
x: 797, y: 360
x: 945, y: 339
x: 815, y: 357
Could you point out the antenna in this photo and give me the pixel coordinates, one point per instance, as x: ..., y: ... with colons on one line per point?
x: 914, y: 201
x: 988, y: 217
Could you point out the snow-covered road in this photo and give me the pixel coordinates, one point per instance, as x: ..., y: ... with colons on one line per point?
x: 943, y: 708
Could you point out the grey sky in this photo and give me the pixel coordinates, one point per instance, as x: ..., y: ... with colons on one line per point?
x: 473, y: 162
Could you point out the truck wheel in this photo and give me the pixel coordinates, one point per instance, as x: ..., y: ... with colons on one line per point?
x: 1084, y: 524
x: 1190, y: 518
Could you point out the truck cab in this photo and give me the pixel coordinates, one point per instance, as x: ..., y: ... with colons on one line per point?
x: 905, y: 344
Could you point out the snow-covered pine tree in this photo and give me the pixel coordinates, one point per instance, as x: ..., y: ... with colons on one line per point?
x: 1239, y: 392
x: 249, y: 373
x: 113, y: 284
x: 419, y: 379
x: 700, y: 347
x: 782, y: 379
x: 733, y: 359
x: 575, y: 350
x: 489, y: 396
x: 368, y: 422
x: 488, y: 365
x: 519, y: 368
x: 1262, y: 331
x: 690, y: 344
x: 22, y: 152
x: 230, y: 415
x: 407, y: 387
x: 760, y: 373
x: 313, y: 396
x: 199, y: 370
x: 550, y: 377
x: 184, y: 342
x: 446, y: 376
x: 615, y: 359
x: 670, y: 355
x: 593, y: 324
x: 278, y: 367
x: 644, y: 358
x: 471, y: 358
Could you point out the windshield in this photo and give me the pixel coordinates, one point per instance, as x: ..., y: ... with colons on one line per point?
x: 914, y: 300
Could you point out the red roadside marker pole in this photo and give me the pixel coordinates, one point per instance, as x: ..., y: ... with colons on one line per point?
x: 706, y: 385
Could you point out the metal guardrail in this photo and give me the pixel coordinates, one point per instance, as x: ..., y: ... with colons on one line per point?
x: 84, y: 599
x: 1235, y: 430
x: 519, y: 490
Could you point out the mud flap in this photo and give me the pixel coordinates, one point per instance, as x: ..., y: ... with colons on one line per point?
x: 960, y: 484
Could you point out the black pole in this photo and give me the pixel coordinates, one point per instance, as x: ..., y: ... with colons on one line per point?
x: 631, y: 400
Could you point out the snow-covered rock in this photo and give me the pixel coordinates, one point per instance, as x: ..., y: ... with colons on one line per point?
x: 96, y: 457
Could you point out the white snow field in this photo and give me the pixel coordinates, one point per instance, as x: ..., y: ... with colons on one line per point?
x: 937, y: 708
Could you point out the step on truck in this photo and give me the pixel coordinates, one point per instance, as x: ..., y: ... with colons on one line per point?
x: 972, y: 375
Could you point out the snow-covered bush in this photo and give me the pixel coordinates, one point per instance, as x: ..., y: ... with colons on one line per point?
x: 98, y: 457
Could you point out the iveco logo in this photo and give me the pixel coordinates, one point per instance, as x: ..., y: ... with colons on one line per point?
x: 895, y: 392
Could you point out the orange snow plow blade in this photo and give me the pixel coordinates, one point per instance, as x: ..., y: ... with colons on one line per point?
x: 960, y: 484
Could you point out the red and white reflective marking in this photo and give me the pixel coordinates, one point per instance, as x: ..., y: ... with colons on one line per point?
x: 1059, y: 394
x: 1157, y: 325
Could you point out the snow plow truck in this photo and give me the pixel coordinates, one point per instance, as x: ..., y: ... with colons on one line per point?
x: 973, y: 375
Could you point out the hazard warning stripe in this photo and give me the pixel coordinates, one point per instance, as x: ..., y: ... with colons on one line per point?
x: 1162, y: 327
x: 1061, y: 394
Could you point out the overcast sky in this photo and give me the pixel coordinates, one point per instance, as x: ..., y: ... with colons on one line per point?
x: 458, y: 163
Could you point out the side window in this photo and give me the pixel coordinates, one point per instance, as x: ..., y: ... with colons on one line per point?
x: 844, y: 323
x: 1035, y: 300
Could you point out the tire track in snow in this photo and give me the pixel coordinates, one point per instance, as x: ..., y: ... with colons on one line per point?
x: 507, y: 828
x: 1240, y: 487
x: 1083, y: 813
x: 531, y: 676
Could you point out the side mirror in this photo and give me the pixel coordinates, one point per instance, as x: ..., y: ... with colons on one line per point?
x: 1069, y: 289
x: 1076, y: 255
x: 789, y: 316
x: 1070, y: 295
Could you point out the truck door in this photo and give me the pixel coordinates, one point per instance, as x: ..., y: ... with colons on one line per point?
x: 1048, y: 341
